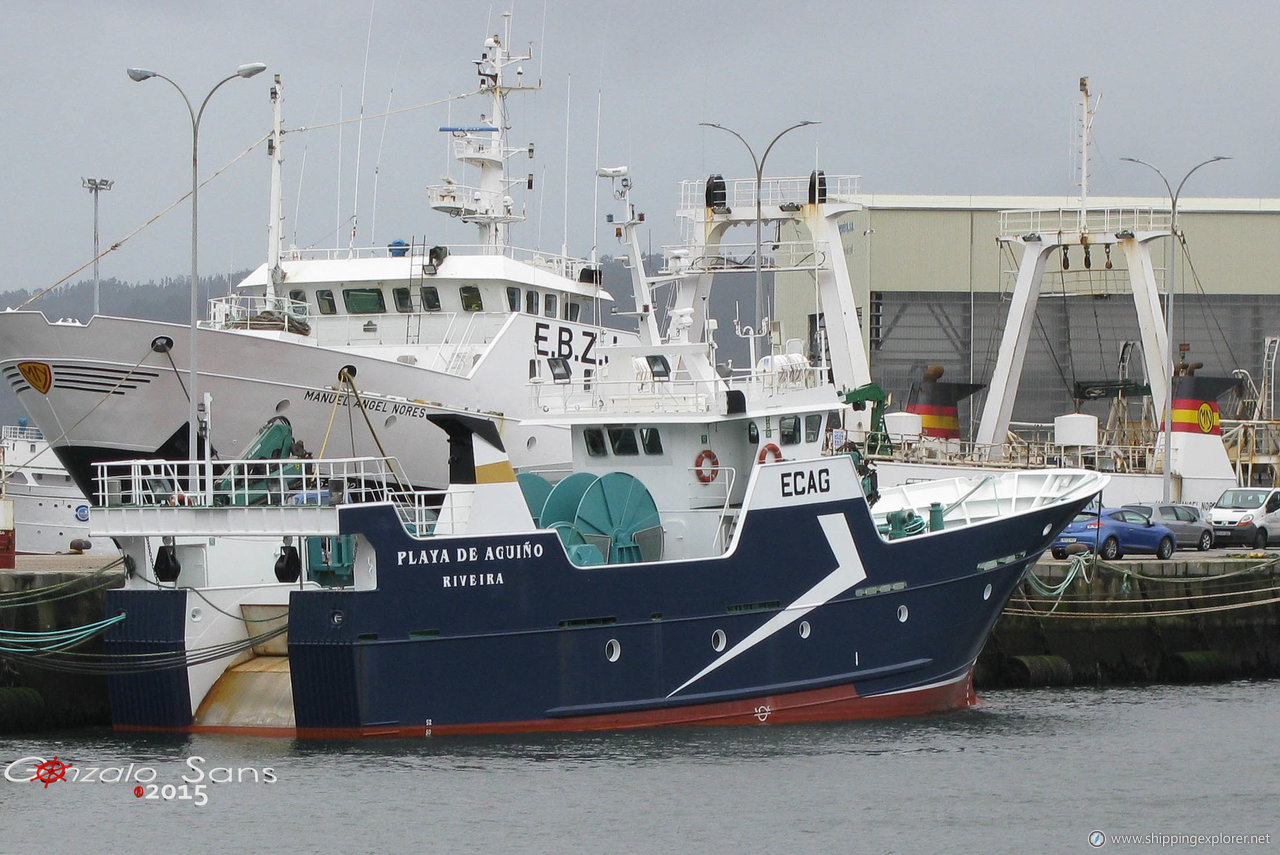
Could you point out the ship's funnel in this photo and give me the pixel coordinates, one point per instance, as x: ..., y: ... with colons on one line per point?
x: 1196, y: 436
x: 1195, y: 403
x: 935, y: 401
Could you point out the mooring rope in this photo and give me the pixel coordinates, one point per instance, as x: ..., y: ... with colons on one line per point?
x: 69, y: 662
x: 1055, y: 596
x: 95, y: 581
x: 20, y: 641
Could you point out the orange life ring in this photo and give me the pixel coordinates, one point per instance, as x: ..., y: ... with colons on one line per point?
x: 178, y: 499
x: 706, y: 456
x: 770, y: 449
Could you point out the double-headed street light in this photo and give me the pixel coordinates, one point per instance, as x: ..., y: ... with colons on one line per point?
x: 138, y: 75
x: 759, y: 164
x: 1168, y: 307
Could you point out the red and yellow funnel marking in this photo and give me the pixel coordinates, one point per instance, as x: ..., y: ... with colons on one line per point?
x: 1194, y: 416
x: 935, y: 401
x: 938, y: 420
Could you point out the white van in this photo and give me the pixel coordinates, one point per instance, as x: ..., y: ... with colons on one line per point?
x: 1248, y: 516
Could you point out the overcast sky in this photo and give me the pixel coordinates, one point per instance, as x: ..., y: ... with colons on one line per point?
x: 916, y: 97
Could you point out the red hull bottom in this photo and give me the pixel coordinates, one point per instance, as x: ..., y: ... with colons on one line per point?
x: 840, y: 703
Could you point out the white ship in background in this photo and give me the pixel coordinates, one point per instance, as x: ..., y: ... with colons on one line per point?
x: 50, y: 513
x: 354, y: 347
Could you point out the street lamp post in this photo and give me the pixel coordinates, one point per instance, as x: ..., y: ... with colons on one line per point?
x: 95, y: 186
x: 1168, y: 307
x: 759, y: 165
x: 138, y: 75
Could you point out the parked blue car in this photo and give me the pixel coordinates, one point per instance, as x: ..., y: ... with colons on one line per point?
x: 1120, y: 530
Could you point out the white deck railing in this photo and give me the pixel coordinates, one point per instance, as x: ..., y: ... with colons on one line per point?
x: 262, y: 497
x: 741, y: 192
x: 415, y: 255
x: 1100, y: 221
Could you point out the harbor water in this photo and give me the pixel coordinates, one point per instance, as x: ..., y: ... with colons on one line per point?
x: 1171, y: 768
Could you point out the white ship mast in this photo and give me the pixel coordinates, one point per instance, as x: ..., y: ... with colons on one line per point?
x: 488, y: 204
x: 275, y: 226
x: 1086, y: 123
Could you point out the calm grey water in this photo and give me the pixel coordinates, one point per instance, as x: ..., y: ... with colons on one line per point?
x: 1029, y: 771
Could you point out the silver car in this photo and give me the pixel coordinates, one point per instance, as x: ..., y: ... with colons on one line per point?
x: 1190, y: 529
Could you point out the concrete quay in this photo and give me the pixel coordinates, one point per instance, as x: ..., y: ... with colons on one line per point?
x: 1197, y: 617
x: 45, y: 593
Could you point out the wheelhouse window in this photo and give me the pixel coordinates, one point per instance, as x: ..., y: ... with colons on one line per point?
x: 812, y: 427
x: 471, y: 301
x: 531, y: 302
x: 789, y: 430
x: 430, y: 298
x: 549, y: 305
x: 364, y: 301
x: 650, y: 441
x: 513, y: 299
x: 403, y: 300
x: 324, y: 299
x: 593, y: 438
x: 572, y: 311
x: 623, y: 441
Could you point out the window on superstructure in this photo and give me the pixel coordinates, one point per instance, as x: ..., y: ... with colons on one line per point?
x: 789, y: 430
x: 573, y: 310
x: 812, y: 427
x: 593, y: 438
x: 531, y: 302
x: 364, y: 301
x: 430, y: 298
x: 623, y: 441
x: 298, y: 295
x: 324, y: 299
x: 403, y: 299
x: 753, y: 433
x: 470, y: 295
x: 513, y: 299
x: 549, y: 305
x: 650, y: 441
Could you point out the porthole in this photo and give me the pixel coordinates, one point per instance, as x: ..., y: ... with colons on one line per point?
x: 1048, y: 527
x: 391, y: 420
x: 282, y: 405
x: 986, y: 592
x: 718, y: 640
x: 804, y: 629
x: 531, y: 443
x: 612, y: 650
x: 902, y: 614
x: 196, y: 615
x: 337, y: 617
